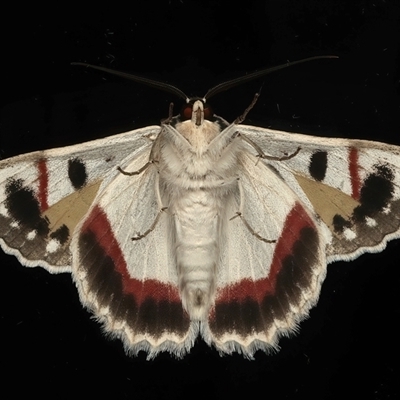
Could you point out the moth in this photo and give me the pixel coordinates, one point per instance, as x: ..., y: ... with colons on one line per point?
x: 200, y: 227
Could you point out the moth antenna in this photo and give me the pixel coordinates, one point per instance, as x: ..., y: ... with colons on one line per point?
x: 254, y: 75
x: 149, y: 82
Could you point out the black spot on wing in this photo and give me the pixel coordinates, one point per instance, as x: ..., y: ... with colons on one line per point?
x: 77, y: 173
x: 157, y: 316
x: 241, y: 317
x: 297, y: 267
x: 249, y: 316
x: 24, y: 207
x: 105, y: 282
x: 61, y: 234
x: 340, y: 223
x: 376, y: 193
x: 318, y: 165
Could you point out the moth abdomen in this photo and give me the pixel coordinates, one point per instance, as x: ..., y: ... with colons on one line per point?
x: 196, y: 245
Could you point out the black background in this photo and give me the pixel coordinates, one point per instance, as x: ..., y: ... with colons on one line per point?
x: 349, y: 345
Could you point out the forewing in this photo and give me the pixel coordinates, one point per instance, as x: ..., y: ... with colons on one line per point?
x: 352, y: 185
x: 265, y: 288
x: 44, y: 194
x: 124, y: 266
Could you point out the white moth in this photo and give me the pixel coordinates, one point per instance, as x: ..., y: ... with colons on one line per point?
x: 200, y: 226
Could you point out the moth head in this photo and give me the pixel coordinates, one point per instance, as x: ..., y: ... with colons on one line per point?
x: 197, y: 111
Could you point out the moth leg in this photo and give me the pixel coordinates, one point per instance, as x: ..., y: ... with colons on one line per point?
x: 161, y: 208
x: 262, y: 155
x: 246, y: 224
x: 242, y: 117
x: 139, y: 171
x: 251, y: 230
x: 153, y: 159
x: 153, y: 225
x: 170, y: 114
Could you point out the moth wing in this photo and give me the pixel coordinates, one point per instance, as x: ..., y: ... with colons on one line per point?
x: 265, y: 288
x: 44, y: 194
x: 352, y: 185
x: 124, y: 266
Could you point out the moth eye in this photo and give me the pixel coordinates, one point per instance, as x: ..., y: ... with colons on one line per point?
x: 186, y: 112
x: 208, y: 112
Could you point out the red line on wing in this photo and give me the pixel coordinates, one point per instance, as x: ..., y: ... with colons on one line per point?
x: 354, y: 175
x: 43, y: 184
x: 247, y: 288
x: 141, y: 289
